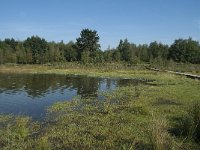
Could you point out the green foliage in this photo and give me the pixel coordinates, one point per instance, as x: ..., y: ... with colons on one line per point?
x: 94, y: 124
x: 54, y: 54
x: 116, y: 56
x: 36, y: 50
x: 127, y: 50
x: 97, y: 57
x: 85, y: 57
x: 70, y: 52
x: 21, y: 54
x: 11, y: 42
x: 185, y: 51
x: 188, y: 124
x: 43, y: 144
x: 10, y: 55
x: 14, y: 133
x: 158, y: 50
x: 87, y: 42
x: 194, y: 112
x: 160, y: 138
x: 1, y: 56
x: 108, y: 56
x: 142, y: 53
x: 135, y: 60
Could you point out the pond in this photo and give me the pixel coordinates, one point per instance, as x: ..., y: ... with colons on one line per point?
x: 31, y: 94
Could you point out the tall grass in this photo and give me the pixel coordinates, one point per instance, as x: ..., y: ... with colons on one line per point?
x: 194, y: 112
x: 187, y: 127
x: 160, y: 138
x: 180, y: 67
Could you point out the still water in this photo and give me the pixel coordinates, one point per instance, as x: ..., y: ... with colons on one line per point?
x: 31, y: 94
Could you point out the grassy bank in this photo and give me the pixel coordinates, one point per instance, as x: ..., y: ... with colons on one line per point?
x: 98, y: 70
x: 180, y: 67
x: 161, y: 115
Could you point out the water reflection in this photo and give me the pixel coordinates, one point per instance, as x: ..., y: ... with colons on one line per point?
x: 37, y: 86
x: 31, y: 94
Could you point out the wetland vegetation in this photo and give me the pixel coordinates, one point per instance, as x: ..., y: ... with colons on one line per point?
x: 161, y: 111
x: 163, y: 114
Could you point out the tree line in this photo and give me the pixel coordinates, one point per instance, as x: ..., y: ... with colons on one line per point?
x: 86, y: 49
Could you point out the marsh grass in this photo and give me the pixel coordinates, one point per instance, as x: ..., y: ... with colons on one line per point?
x: 194, y: 112
x: 188, y: 125
x: 107, y: 124
x: 179, y: 67
x: 162, y: 101
x: 15, y: 132
x: 107, y: 70
x: 160, y: 137
x: 121, y: 120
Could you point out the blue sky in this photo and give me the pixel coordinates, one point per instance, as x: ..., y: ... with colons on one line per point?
x: 141, y: 21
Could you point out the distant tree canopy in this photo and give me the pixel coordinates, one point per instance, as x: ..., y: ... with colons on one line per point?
x: 86, y: 49
x: 185, y: 51
x: 38, y: 48
x: 87, y: 44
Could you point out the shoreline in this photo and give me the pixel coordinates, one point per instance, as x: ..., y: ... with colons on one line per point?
x: 137, y: 111
x: 139, y: 72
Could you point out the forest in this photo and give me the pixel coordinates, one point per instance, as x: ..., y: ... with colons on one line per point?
x: 86, y: 49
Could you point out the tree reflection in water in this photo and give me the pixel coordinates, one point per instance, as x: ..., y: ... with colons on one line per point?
x: 32, y: 93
